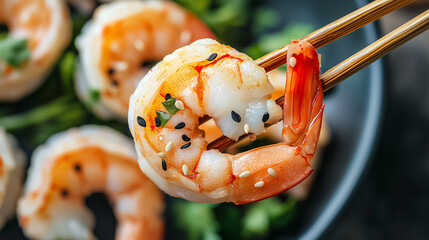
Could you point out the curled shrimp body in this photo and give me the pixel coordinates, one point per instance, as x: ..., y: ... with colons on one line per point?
x: 12, y: 168
x: 76, y: 163
x: 207, y: 78
x: 119, y: 45
x: 46, y: 25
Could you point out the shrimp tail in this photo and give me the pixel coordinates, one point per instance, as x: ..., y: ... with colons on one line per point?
x: 303, y: 107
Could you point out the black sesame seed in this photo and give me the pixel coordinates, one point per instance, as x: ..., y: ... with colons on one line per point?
x: 185, y: 138
x: 114, y: 83
x: 265, y: 117
x: 157, y: 122
x: 77, y: 167
x: 111, y: 71
x: 180, y: 125
x: 64, y: 193
x: 185, y: 146
x: 164, y: 165
x: 167, y: 96
x: 235, y: 116
x: 212, y: 57
x: 141, y: 121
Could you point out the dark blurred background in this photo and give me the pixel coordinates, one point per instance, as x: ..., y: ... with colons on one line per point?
x: 392, y: 200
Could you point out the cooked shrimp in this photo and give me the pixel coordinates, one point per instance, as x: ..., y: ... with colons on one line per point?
x: 12, y: 168
x: 118, y: 46
x: 46, y: 25
x: 273, y: 134
x: 207, y: 78
x: 76, y: 163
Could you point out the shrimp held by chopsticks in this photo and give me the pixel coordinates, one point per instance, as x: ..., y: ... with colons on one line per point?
x: 74, y: 164
x: 207, y: 78
x: 119, y: 45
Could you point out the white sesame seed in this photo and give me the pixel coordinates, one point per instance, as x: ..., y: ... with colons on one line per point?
x: 292, y: 61
x: 122, y: 66
x: 169, y: 146
x: 139, y: 45
x: 246, y: 128
x: 179, y: 105
x: 259, y: 184
x: 244, y: 174
x: 271, y: 104
x: 185, y: 169
x: 161, y: 154
x: 272, y: 172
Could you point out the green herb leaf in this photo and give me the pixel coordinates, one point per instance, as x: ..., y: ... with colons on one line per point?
x: 273, y: 41
x: 14, y: 51
x: 35, y: 116
x: 94, y: 96
x: 256, y: 222
x: 268, y: 215
x: 170, y: 106
x: 197, y: 220
x: 67, y: 63
x: 164, y: 117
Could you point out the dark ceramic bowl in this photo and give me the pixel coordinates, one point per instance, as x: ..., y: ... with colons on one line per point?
x: 353, y: 111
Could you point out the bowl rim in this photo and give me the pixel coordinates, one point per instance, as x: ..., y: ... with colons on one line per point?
x: 366, y: 146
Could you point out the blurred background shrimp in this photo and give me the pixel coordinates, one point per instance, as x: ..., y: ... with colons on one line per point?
x: 72, y: 165
x: 12, y: 167
x: 122, y: 42
x: 37, y: 32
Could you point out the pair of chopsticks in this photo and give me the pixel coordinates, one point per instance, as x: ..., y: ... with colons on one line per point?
x: 331, y: 32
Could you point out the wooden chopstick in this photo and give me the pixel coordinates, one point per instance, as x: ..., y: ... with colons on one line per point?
x: 375, y: 51
x: 354, y: 63
x: 337, y: 29
x: 331, y: 32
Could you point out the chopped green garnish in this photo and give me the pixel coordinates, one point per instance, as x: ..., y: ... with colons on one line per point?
x: 170, y: 106
x: 163, y: 117
x: 14, y: 51
x: 94, y: 96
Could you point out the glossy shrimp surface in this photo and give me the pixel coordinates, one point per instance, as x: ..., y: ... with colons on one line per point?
x: 76, y: 163
x: 207, y: 78
x: 117, y: 48
x: 46, y: 25
x: 12, y: 168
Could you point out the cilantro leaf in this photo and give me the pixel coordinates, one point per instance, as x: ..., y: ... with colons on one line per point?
x: 14, y: 51
x: 164, y: 117
x: 197, y: 220
x: 170, y: 106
